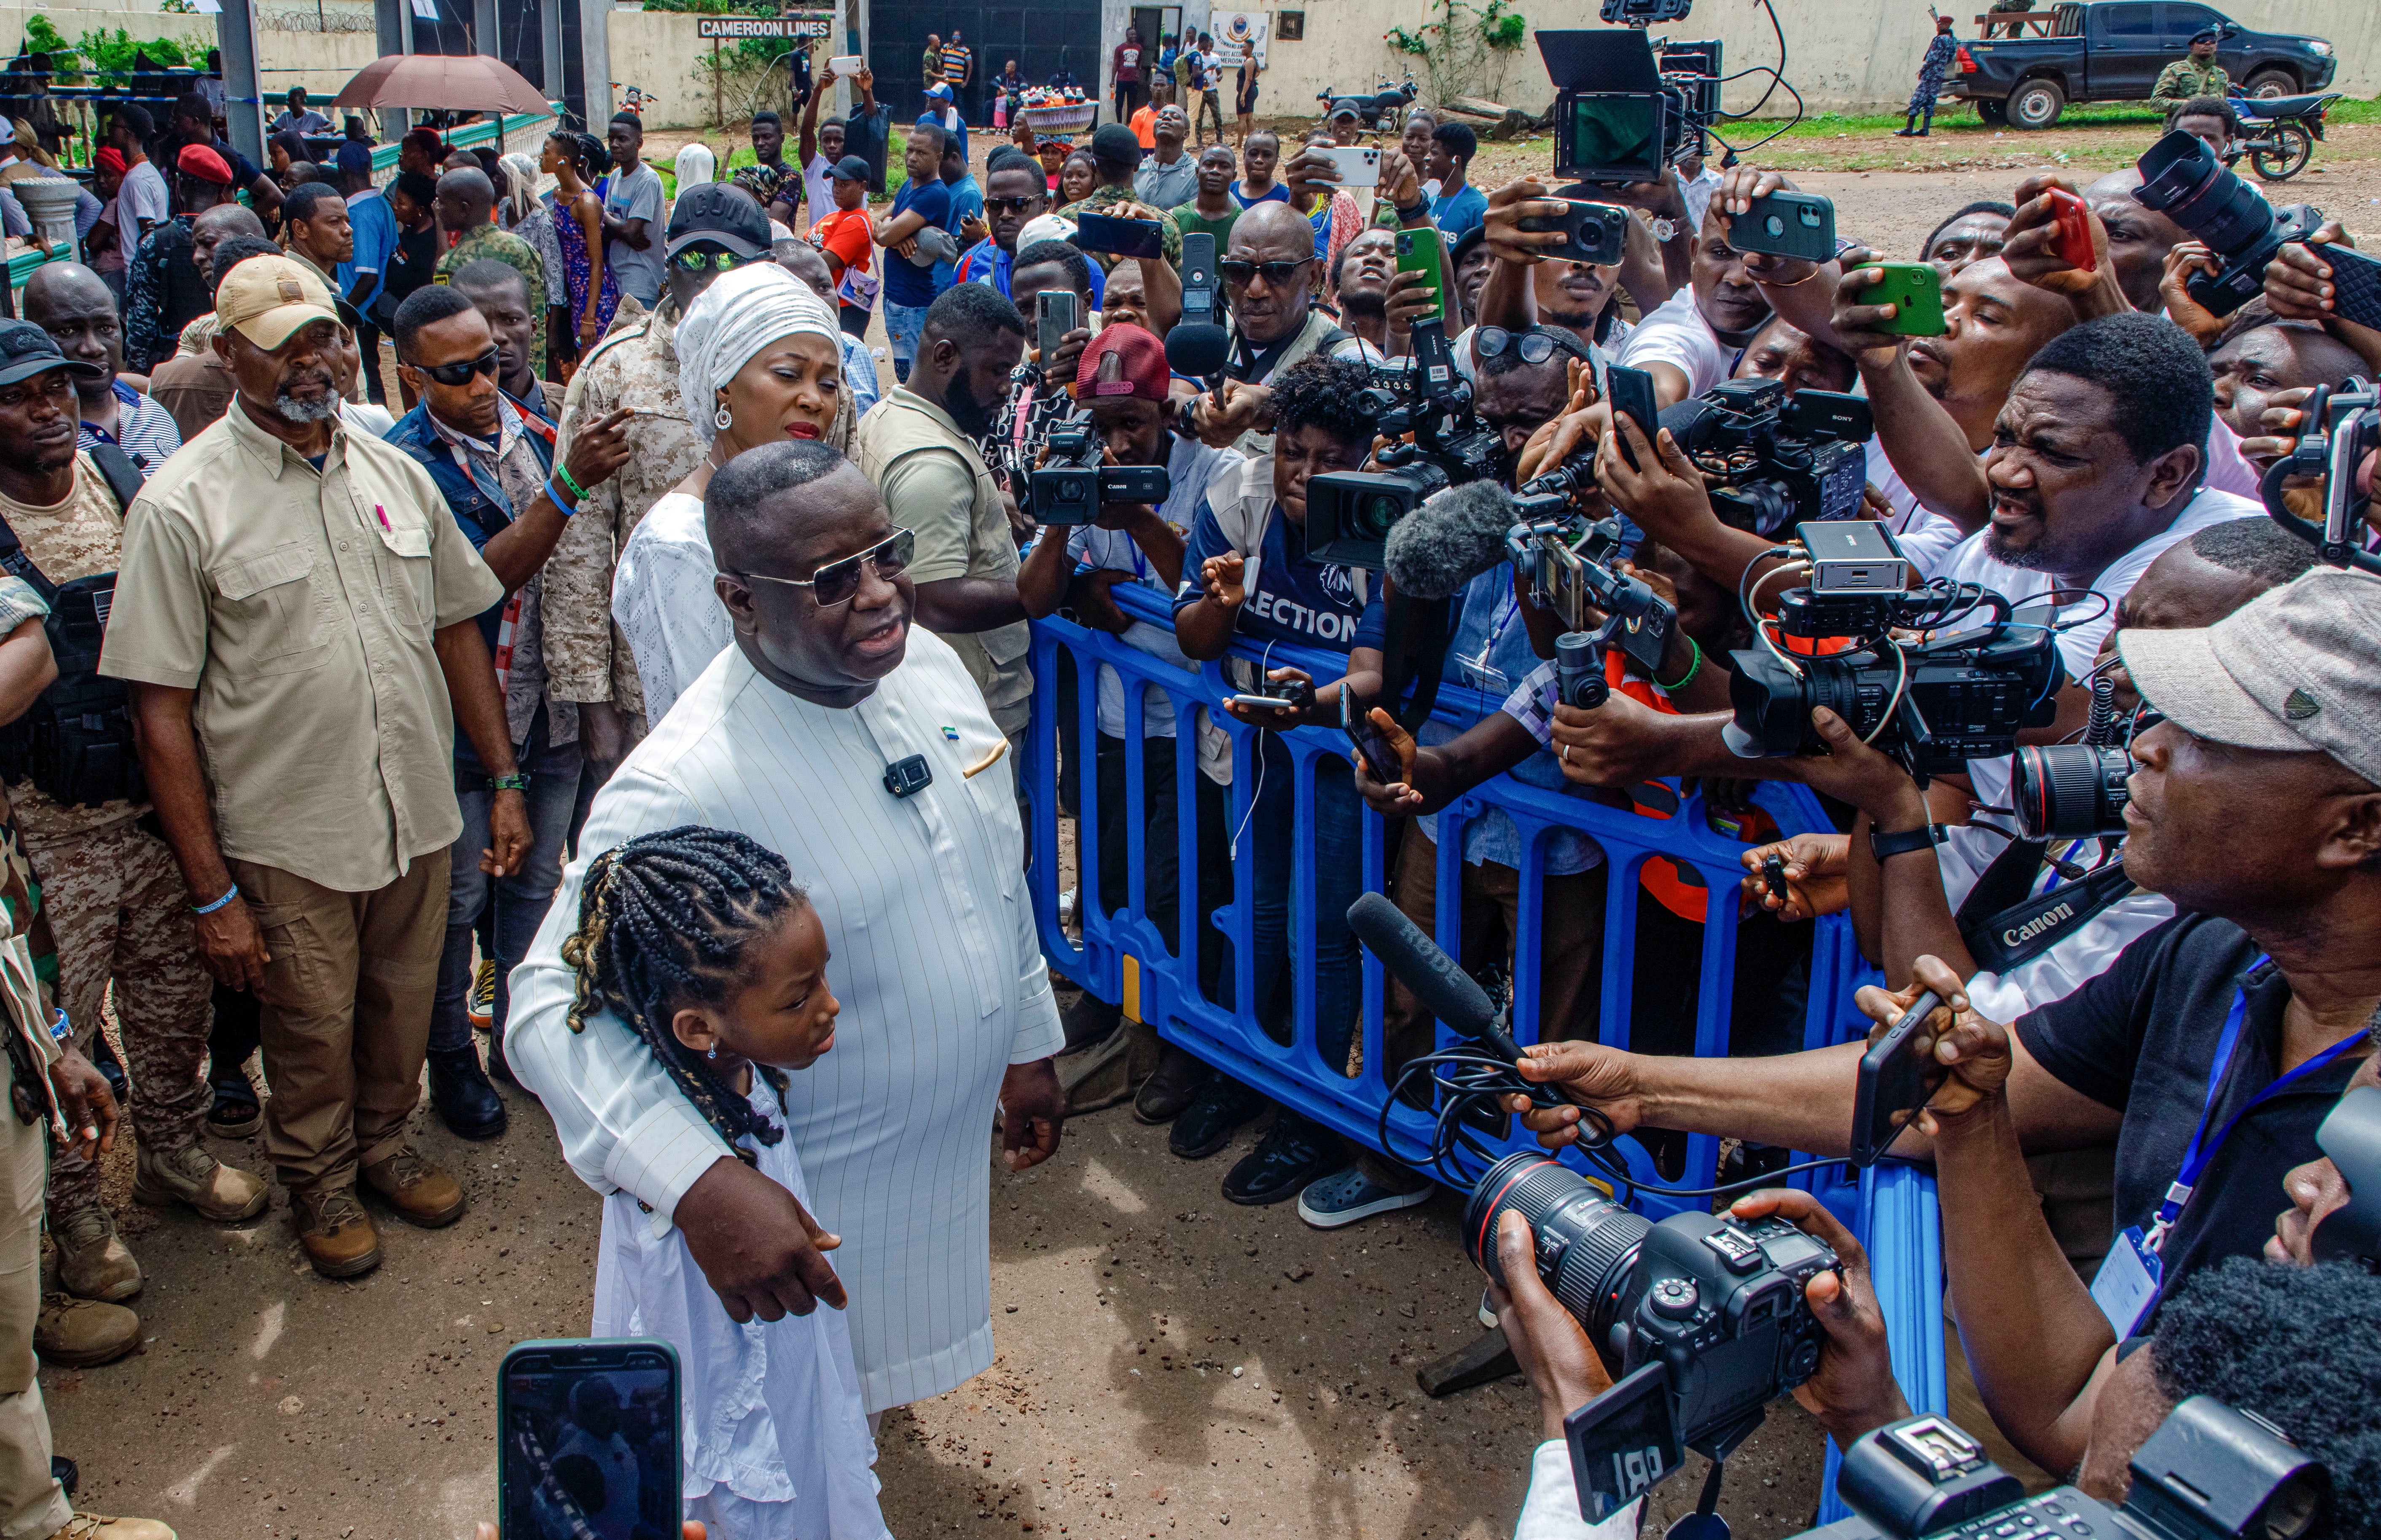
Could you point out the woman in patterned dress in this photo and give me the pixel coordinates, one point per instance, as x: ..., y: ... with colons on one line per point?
x: 571, y: 159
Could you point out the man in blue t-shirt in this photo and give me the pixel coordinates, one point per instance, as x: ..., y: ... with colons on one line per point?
x: 964, y: 222
x: 360, y: 276
x: 1459, y: 206
x: 923, y: 203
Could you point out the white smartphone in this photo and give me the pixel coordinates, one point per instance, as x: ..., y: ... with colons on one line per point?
x: 1359, y: 165
x: 846, y: 65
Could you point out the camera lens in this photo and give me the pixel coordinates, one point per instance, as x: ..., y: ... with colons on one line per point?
x: 2070, y: 790
x: 1587, y: 1244
x: 1375, y: 514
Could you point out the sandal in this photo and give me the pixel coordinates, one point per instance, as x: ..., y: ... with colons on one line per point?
x: 237, y: 1113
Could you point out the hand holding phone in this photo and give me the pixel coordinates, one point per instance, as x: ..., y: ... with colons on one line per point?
x: 545, y: 1388
x: 1914, y: 289
x: 1630, y: 392
x: 2073, y: 220
x: 1380, y: 755
x: 1896, y: 1076
x: 1592, y: 232
x: 1120, y: 237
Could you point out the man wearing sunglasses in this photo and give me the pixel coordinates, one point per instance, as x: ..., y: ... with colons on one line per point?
x: 497, y: 469
x: 466, y: 203
x: 633, y: 370
x: 1014, y: 196
x: 827, y: 674
x: 1269, y: 273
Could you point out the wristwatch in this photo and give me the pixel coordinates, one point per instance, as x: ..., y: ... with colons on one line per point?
x: 1887, y: 846
x: 517, y: 781
x: 1664, y: 229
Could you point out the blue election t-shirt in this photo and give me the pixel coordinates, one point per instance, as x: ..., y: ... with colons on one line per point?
x: 905, y: 282
x: 376, y: 228
x: 1466, y: 209
x: 1297, y: 600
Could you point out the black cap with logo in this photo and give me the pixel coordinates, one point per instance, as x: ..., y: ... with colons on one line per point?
x: 27, y: 350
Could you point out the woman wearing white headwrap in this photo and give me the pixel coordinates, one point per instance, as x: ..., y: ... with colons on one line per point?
x: 760, y: 360
x: 696, y: 165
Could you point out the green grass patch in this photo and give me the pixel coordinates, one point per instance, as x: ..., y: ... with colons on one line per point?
x: 1962, y: 119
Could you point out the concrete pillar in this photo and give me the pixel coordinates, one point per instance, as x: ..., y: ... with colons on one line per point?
x: 392, y: 20
x: 486, y: 30
x: 595, y: 59
x: 243, y: 109
x: 549, y: 37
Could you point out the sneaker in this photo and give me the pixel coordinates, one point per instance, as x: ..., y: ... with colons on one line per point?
x: 1206, y: 1125
x: 416, y: 1189
x: 98, y: 1526
x: 1345, y: 1197
x: 339, y: 1236
x: 94, y: 1261
x: 1292, y: 1154
x: 80, y: 1333
x: 225, y: 1193
x: 482, y: 1011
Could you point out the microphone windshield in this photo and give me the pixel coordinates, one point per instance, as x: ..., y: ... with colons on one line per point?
x: 1458, y: 533
x: 1444, y: 989
x: 1197, y: 350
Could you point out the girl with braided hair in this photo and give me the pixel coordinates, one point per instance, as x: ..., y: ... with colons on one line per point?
x: 702, y: 943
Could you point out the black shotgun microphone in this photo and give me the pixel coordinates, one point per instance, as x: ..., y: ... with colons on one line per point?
x: 1444, y: 988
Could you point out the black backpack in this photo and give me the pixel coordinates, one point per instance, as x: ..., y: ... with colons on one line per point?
x: 75, y: 743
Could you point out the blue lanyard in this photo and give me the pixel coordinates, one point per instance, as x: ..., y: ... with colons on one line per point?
x: 2201, y: 1153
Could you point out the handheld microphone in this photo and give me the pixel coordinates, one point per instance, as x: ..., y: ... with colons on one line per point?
x: 1197, y: 350
x: 1197, y: 346
x: 1442, y: 987
x: 1456, y: 534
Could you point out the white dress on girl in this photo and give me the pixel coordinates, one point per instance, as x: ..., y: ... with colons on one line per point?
x: 775, y: 1443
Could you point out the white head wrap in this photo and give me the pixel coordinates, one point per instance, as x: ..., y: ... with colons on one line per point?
x: 743, y: 311
x: 696, y: 165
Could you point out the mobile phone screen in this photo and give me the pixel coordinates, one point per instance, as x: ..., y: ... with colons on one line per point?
x: 1356, y: 721
x: 1632, y: 393
x: 588, y: 1427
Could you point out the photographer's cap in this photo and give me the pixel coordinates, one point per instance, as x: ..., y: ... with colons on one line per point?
x: 719, y: 213
x: 268, y: 298
x: 1123, y: 361
x: 1347, y: 107
x: 2290, y: 671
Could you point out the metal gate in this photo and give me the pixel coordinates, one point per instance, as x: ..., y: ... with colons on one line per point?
x: 1043, y: 39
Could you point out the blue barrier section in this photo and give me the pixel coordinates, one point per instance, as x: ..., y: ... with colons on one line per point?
x: 1126, y: 958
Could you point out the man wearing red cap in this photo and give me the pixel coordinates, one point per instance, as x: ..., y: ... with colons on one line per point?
x: 164, y: 290
x: 1123, y: 379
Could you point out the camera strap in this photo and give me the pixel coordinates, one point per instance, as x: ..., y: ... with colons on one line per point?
x: 2016, y: 935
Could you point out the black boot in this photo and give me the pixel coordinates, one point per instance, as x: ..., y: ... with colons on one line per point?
x: 1925, y: 128
x: 460, y: 1090
x: 1908, y: 128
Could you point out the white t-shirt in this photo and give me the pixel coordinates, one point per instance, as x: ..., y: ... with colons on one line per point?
x: 142, y: 198
x: 664, y: 601
x: 1676, y: 334
x: 818, y: 190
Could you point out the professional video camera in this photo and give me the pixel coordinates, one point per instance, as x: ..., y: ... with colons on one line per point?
x: 1349, y: 513
x: 1783, y: 458
x: 1620, y: 117
x: 2182, y: 179
x: 2342, y: 438
x: 1643, y: 13
x: 1933, y: 703
x: 1066, y: 482
x: 1567, y: 561
x: 2208, y: 1472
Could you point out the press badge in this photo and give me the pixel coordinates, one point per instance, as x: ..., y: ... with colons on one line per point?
x: 2127, y: 1284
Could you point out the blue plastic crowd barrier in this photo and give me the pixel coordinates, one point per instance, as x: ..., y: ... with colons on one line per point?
x: 1123, y: 957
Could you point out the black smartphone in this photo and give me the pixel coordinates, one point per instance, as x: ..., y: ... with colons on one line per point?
x: 2355, y: 284
x: 1630, y: 392
x: 567, y: 1410
x: 1593, y: 232
x: 1787, y: 225
x: 1356, y: 721
x: 1054, y: 311
x: 1896, y: 1076
x: 1120, y: 237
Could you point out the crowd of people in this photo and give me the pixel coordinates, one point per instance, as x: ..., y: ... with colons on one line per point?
x: 654, y: 692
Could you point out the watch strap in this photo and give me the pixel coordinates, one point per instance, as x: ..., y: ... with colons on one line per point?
x: 515, y: 782
x: 1887, y: 846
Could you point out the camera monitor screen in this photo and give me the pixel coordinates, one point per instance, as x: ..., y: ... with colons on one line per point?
x: 1612, y: 138
x: 1624, y: 1442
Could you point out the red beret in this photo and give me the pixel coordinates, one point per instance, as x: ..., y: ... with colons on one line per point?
x: 197, y: 160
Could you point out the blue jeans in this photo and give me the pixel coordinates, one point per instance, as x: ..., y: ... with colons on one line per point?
x: 521, y: 898
x: 1336, y: 960
x: 903, y: 325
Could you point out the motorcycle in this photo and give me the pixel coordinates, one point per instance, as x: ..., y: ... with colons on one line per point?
x: 2278, y: 133
x: 1384, y: 107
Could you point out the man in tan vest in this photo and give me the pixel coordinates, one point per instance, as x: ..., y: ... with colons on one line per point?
x: 918, y: 445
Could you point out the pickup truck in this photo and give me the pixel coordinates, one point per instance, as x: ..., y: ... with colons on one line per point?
x: 2037, y: 62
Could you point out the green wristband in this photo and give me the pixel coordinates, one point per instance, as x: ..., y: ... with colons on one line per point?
x: 508, y: 783
x: 1692, y: 669
x: 570, y: 481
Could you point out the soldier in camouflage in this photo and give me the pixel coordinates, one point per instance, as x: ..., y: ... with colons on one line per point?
x: 2199, y: 75
x: 466, y: 202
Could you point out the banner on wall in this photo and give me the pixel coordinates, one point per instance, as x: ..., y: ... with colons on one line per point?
x: 1238, y: 32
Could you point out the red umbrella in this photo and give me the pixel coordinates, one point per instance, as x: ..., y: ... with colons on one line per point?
x: 463, y: 83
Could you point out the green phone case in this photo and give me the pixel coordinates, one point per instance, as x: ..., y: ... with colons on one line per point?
x: 1915, y: 290
x: 1418, y: 252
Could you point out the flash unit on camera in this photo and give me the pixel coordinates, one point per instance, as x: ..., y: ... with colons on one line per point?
x: 1853, y: 556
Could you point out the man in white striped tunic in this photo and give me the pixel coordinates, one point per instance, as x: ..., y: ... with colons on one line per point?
x: 789, y: 737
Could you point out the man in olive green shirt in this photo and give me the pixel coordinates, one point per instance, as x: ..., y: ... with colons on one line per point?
x: 298, y: 615
x: 2199, y: 75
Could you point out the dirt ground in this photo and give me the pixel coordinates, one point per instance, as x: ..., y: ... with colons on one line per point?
x: 1169, y: 1363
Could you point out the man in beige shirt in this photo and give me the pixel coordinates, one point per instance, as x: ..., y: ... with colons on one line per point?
x: 918, y: 445
x: 297, y: 613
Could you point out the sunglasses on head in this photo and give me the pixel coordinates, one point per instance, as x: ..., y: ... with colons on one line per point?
x: 838, y: 581
x: 701, y: 260
x: 1237, y: 272
x: 461, y: 373
x: 1008, y: 205
x: 1535, y: 346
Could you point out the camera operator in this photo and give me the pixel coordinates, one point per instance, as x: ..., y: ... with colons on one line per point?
x: 1122, y: 377
x: 2254, y: 809
x: 1523, y: 286
x: 1269, y: 270
x: 1247, y: 575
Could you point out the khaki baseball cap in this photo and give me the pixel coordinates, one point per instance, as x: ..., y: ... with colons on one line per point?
x: 268, y: 298
x: 2292, y: 671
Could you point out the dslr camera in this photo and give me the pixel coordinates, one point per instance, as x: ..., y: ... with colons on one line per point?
x: 2208, y: 1472
x: 1566, y: 560
x: 1348, y: 512
x: 1068, y: 485
x: 2182, y: 179
x: 1933, y: 703
x: 1781, y: 459
x: 1700, y: 1318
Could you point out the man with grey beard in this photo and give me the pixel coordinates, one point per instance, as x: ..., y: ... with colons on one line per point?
x: 297, y: 615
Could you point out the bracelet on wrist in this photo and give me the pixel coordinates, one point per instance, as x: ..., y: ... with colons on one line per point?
x: 1692, y: 669
x: 554, y: 495
x: 569, y: 481
x: 229, y: 894
x: 517, y: 781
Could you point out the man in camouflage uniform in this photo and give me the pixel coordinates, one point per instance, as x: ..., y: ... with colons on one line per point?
x: 2199, y: 75
x: 1941, y: 49
x: 112, y: 893
x: 466, y: 202
x: 636, y: 367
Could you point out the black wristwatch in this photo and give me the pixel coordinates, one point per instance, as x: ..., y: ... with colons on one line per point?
x: 517, y: 781
x: 1887, y: 846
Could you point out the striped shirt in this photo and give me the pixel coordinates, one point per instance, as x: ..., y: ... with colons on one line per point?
x: 935, y: 959
x: 144, y: 430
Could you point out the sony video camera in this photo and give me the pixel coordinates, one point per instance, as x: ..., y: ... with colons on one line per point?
x: 1066, y: 483
x: 1700, y: 1318
x: 1567, y: 561
x: 1933, y: 703
x: 1797, y: 458
x: 1623, y: 114
x: 2208, y: 1472
x: 1348, y: 512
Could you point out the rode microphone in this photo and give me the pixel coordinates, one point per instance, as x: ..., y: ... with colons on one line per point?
x: 1456, y: 534
x: 1442, y: 987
